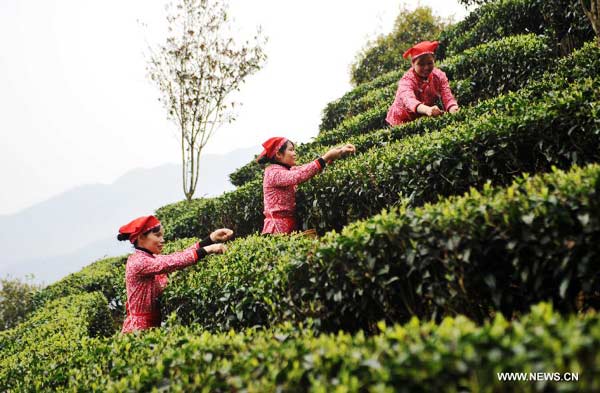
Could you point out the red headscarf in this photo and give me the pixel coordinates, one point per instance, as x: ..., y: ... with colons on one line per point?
x: 271, y: 146
x: 422, y: 48
x: 138, y: 226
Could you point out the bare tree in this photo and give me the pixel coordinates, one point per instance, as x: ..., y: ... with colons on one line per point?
x: 592, y: 11
x: 196, y: 70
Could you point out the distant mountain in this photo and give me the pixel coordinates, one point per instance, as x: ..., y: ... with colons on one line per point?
x: 69, y: 231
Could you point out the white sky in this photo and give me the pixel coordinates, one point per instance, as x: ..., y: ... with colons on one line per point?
x: 77, y: 108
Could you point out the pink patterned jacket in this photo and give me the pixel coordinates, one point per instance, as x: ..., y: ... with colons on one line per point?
x: 279, y: 189
x: 414, y: 90
x: 145, y: 280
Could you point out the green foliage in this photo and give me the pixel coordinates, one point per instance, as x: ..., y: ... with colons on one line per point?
x: 335, y: 111
x: 385, y: 53
x: 245, y: 287
x: 106, y: 276
x: 560, y: 129
x: 498, y: 249
x: 521, y: 134
x: 244, y: 174
x: 455, y: 355
x: 498, y: 67
x: 563, y: 21
x: 481, y: 72
x: 36, y: 355
x: 16, y: 301
x: 494, y: 249
x: 179, y: 219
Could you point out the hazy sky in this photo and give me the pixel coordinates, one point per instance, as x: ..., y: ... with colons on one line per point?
x: 77, y: 108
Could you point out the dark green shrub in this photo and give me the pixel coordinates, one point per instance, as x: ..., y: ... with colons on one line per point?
x: 106, y: 276
x: 16, y: 301
x: 455, y: 355
x: 335, y: 111
x: 244, y: 174
x: 562, y: 21
x: 385, y: 53
x: 494, y: 249
x: 179, y: 219
x: 498, y: 249
x: 498, y: 67
x: 520, y: 135
x: 561, y: 131
x: 246, y: 287
x: 35, y: 356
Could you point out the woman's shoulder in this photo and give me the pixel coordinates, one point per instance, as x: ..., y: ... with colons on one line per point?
x: 409, y: 74
x: 275, y: 168
x: 437, y: 72
x: 138, y: 256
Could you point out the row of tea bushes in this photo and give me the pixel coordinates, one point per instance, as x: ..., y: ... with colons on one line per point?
x: 563, y: 21
x: 246, y: 287
x: 580, y: 64
x: 36, y: 355
x: 522, y: 136
x: 531, y: 138
x: 493, y: 21
x: 336, y: 111
x: 498, y: 249
x: 106, y: 276
x: 481, y: 72
x: 494, y: 249
x: 420, y: 356
x: 497, y: 67
x: 500, y: 66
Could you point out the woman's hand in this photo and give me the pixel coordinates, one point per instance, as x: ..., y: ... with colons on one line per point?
x: 338, y: 152
x: 347, y: 149
x: 221, y: 235
x: 453, y: 109
x: 216, y: 248
x: 429, y: 110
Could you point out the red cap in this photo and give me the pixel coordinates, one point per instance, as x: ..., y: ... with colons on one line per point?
x: 271, y: 146
x: 138, y: 226
x: 422, y: 48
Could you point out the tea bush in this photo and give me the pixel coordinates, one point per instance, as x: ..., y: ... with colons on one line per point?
x: 35, y: 355
x: 420, y: 356
x: 246, y: 287
x: 494, y: 249
x: 563, y: 21
x: 106, y: 276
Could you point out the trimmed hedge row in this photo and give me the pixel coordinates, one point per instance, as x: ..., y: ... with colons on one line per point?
x: 179, y: 218
x: 246, y: 287
x: 561, y: 20
x: 534, y: 136
x: 494, y: 249
x: 106, y: 276
x: 35, y: 355
x: 580, y: 64
x: 561, y: 131
x: 498, y: 249
x: 481, y: 72
x: 501, y: 66
x: 508, y: 64
x: 455, y: 355
x: 335, y: 112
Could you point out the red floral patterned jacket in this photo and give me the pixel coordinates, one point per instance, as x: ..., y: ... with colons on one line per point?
x: 414, y: 90
x: 145, y: 280
x: 279, y: 189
